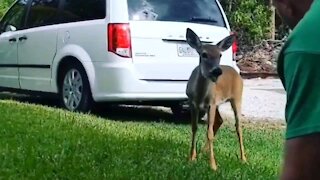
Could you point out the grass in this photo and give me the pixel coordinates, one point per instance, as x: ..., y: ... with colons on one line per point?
x: 38, y: 142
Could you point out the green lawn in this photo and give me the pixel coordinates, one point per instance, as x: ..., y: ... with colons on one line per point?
x: 38, y: 142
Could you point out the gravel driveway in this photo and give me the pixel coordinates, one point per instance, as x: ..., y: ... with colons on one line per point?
x: 262, y: 99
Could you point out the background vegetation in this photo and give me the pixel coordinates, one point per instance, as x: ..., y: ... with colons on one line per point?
x: 254, y: 21
x: 4, y: 4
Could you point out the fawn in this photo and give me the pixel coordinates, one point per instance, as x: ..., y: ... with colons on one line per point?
x: 210, y: 85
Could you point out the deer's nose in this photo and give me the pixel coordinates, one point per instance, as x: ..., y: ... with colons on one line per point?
x: 216, y: 72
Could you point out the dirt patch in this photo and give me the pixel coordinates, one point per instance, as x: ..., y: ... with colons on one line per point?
x: 260, y: 60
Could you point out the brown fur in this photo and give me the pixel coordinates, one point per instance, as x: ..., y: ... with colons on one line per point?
x: 209, y: 86
x: 212, y: 50
x: 205, y: 95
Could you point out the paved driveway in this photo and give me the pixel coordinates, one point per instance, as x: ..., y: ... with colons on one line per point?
x: 262, y: 99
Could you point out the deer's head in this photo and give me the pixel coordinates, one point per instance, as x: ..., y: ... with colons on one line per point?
x: 210, y: 55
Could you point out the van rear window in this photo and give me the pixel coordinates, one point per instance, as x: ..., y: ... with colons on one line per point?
x: 196, y: 11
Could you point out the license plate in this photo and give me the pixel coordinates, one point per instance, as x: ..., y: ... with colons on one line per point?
x: 184, y: 50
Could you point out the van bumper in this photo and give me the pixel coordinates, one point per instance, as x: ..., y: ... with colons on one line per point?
x: 120, y: 82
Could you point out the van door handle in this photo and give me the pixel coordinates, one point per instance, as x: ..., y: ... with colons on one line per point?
x: 12, y: 39
x: 183, y: 41
x: 23, y: 38
x: 173, y: 40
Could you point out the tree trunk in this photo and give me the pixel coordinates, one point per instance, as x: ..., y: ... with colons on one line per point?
x: 230, y: 5
x: 273, y: 21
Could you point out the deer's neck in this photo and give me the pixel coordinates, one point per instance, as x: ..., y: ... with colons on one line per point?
x: 203, y: 85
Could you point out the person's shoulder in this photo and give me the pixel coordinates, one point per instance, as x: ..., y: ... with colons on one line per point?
x: 303, y: 57
x: 305, y: 37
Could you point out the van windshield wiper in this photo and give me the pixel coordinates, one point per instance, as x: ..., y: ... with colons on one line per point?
x: 202, y: 19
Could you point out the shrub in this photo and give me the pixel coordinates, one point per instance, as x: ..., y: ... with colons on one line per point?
x: 249, y: 18
x: 4, y: 4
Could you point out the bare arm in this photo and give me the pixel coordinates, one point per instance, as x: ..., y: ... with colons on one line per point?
x: 302, y: 158
x: 302, y: 146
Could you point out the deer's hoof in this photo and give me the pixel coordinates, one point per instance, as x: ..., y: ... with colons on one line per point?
x: 192, y: 158
x: 244, y: 159
x: 193, y: 155
x: 213, y: 166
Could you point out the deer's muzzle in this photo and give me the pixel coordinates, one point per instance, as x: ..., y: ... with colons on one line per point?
x: 216, y: 72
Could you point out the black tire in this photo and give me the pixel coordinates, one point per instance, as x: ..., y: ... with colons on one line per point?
x: 86, y: 102
x: 179, y: 111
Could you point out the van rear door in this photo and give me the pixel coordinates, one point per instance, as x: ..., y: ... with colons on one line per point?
x: 158, y: 29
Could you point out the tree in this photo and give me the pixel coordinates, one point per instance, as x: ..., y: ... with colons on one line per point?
x: 273, y: 21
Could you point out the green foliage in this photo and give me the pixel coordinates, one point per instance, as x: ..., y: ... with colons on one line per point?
x: 4, y: 4
x: 45, y: 143
x: 249, y: 18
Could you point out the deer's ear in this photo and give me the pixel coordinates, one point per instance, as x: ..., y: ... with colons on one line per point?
x: 193, y: 40
x: 225, y: 43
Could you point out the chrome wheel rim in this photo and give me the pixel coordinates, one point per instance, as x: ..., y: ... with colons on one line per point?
x: 72, y: 89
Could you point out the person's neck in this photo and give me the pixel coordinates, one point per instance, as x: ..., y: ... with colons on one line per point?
x: 301, y: 9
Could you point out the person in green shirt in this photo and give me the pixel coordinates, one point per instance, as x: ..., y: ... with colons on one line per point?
x: 299, y: 70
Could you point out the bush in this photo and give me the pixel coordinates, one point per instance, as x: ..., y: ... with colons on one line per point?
x: 4, y: 5
x: 249, y: 18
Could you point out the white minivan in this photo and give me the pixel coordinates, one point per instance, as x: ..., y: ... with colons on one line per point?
x: 125, y: 51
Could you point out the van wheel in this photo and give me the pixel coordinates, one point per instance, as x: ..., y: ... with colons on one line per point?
x: 179, y: 111
x: 75, y: 93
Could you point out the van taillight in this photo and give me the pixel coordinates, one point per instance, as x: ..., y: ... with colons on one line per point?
x: 234, y: 47
x: 119, y: 39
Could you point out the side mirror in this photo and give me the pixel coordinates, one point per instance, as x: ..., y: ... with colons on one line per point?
x: 10, y: 28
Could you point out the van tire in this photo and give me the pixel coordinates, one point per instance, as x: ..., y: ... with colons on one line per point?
x: 72, y: 92
x: 180, y: 112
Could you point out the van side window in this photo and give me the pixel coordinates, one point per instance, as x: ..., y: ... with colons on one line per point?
x: 83, y: 10
x: 42, y: 13
x: 14, y: 17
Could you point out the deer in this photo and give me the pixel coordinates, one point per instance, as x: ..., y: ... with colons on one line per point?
x: 210, y: 85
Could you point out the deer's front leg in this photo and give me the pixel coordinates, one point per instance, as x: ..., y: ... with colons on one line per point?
x: 217, y: 124
x: 211, y: 120
x: 194, y: 122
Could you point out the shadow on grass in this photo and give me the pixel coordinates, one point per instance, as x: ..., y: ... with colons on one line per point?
x: 138, y: 113
x: 116, y: 112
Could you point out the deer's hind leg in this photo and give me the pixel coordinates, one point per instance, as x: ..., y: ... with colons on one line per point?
x: 217, y: 124
x: 236, y: 106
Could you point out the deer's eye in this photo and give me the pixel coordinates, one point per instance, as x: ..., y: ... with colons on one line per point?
x: 204, y: 55
x: 220, y: 55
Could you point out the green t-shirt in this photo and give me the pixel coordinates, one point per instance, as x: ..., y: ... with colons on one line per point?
x: 299, y: 71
